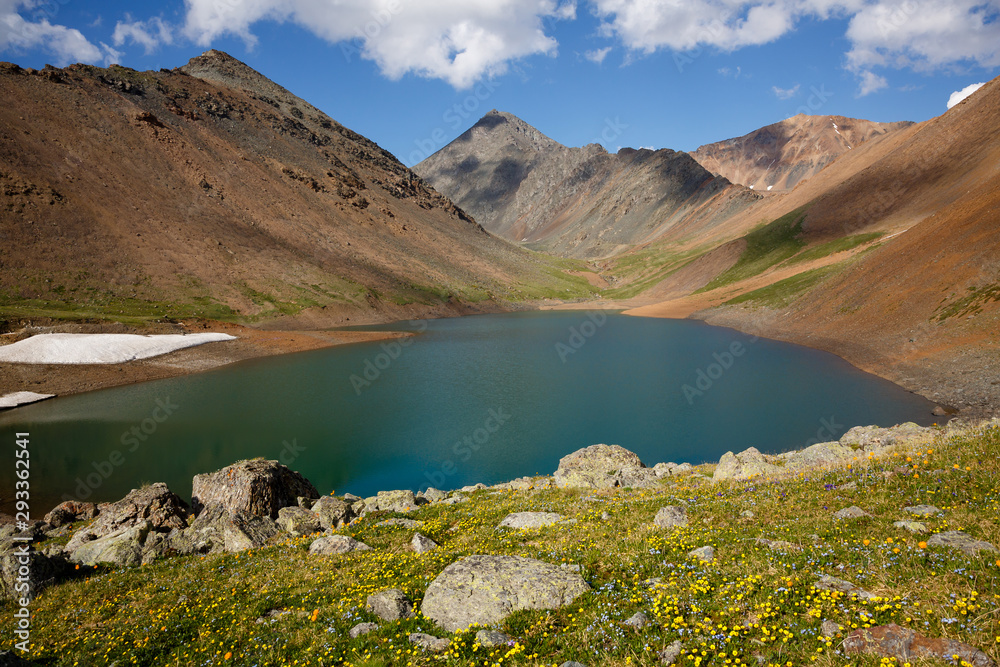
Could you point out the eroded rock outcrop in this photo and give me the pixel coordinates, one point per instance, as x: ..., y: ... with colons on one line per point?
x: 603, y: 467
x: 255, y: 487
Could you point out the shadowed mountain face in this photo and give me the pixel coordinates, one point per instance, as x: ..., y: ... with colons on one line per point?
x: 779, y: 156
x: 577, y: 202
x: 210, y: 190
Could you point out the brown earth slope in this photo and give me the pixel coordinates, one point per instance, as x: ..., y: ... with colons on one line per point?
x: 575, y: 202
x: 918, y: 301
x: 780, y: 156
x: 210, y: 191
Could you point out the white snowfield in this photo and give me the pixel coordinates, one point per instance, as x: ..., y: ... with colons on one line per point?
x: 21, y: 398
x: 62, y: 348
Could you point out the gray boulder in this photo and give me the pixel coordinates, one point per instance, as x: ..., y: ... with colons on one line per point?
x: 332, y: 512
x: 747, y: 464
x: 43, y: 571
x: 297, y: 521
x: 433, y: 495
x: 852, y: 512
x: 153, y: 505
x: 664, y: 469
x: 872, y: 438
x: 255, y: 488
x: 336, y: 544
x: 705, y: 554
x: 392, y: 501
x: 820, y: 455
x: 422, y: 544
x: 218, y: 529
x: 429, y: 643
x: 957, y: 539
x: 637, y: 620
x: 603, y: 467
x: 362, y: 629
x: 671, y: 516
x: 122, y: 548
x: 493, y: 639
x: 525, y: 520
x: 922, y: 510
x: 390, y: 605
x: 485, y: 589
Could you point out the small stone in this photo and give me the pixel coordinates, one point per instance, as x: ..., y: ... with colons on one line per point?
x: 828, y: 583
x: 337, y: 544
x: 605, y: 516
x: 705, y: 554
x: 433, y: 495
x: 915, y: 527
x: 390, y: 605
x: 670, y: 654
x: 363, y: 629
x: 778, y: 545
x: 852, y: 512
x: 850, y: 486
x: 922, y: 510
x: 671, y: 516
x: 747, y: 514
x: 572, y: 663
x: 830, y: 628
x: 422, y: 544
x: 492, y: 638
x: 958, y: 539
x: 429, y: 642
x: 528, y: 520
x: 637, y: 620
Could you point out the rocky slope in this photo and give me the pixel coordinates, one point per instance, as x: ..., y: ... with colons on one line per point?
x: 210, y: 190
x: 780, y: 156
x: 576, y: 202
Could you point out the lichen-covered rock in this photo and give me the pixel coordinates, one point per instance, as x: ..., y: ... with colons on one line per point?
x: 422, y: 544
x: 433, y: 495
x: 362, y: 629
x: 43, y: 571
x: 123, y: 547
x: 669, y: 655
x: 428, y: 642
x: 603, y: 467
x: 872, y: 438
x: 397, y: 522
x: 390, y: 605
x: 336, y: 544
x: 915, y: 527
x: 778, y: 545
x: 392, y: 501
x: 70, y: 511
x: 218, y: 529
x: 526, y: 520
x: 852, y: 512
x: 828, y: 583
x: 637, y: 620
x: 820, y: 455
x: 255, y: 488
x: 297, y: 521
x: 485, y: 589
x: 957, y: 539
x: 922, y: 510
x: 906, y: 645
x: 747, y: 464
x: 332, y: 512
x: 671, y: 516
x: 153, y: 504
x: 705, y: 554
x: 492, y: 639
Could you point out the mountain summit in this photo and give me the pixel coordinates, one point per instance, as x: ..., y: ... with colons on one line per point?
x: 577, y: 202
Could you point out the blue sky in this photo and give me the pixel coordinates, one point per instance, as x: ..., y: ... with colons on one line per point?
x: 414, y: 74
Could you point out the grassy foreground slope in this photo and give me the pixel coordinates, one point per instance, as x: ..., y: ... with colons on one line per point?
x: 753, y: 605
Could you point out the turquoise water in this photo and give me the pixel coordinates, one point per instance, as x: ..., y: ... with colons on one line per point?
x: 473, y: 399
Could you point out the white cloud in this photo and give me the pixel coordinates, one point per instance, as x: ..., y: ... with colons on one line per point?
x: 460, y: 41
x: 786, y: 93
x: 67, y: 45
x: 870, y: 83
x: 150, y: 34
x: 960, y: 95
x: 597, y: 55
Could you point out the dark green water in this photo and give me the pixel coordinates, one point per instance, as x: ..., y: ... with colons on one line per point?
x: 473, y: 399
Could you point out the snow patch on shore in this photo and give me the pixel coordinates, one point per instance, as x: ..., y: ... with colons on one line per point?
x: 62, y: 348
x: 21, y: 398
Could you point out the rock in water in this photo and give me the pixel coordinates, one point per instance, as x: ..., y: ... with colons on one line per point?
x: 256, y: 488
x: 671, y: 516
x: 485, y: 589
x: 390, y: 605
x: 337, y: 544
x: 603, y: 467
x: 747, y: 464
x: 525, y: 520
x: 905, y: 644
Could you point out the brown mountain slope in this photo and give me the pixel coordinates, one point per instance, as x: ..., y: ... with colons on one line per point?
x: 210, y: 190
x: 921, y: 303
x: 576, y: 202
x: 780, y: 156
